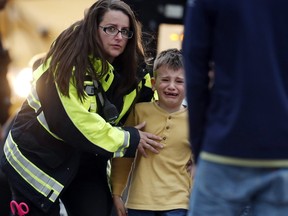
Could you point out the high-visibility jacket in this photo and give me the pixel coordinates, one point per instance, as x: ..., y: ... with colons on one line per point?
x: 43, y: 147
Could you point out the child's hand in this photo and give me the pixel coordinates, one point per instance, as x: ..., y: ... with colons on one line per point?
x: 119, y: 206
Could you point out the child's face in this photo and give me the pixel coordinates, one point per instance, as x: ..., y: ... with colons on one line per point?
x: 170, y: 85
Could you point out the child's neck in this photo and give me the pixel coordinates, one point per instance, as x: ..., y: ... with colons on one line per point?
x: 170, y: 109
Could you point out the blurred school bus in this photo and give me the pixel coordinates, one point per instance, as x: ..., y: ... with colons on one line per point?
x: 169, y: 36
x: 28, y: 27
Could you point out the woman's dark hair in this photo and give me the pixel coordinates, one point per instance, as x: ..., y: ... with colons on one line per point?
x: 70, y: 52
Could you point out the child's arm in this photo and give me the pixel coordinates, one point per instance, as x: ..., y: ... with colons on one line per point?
x: 120, y: 169
x: 119, y: 206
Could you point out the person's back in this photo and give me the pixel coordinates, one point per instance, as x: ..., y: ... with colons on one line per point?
x: 248, y: 112
x: 242, y: 121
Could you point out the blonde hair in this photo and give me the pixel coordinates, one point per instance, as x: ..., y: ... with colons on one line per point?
x: 172, y: 58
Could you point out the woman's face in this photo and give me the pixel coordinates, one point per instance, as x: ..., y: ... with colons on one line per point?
x: 113, y: 45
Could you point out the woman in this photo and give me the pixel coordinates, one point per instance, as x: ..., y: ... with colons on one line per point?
x: 68, y: 128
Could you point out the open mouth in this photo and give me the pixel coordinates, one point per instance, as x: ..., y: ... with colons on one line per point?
x: 170, y: 94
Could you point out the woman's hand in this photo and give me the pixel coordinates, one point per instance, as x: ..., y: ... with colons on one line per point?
x: 119, y: 206
x: 148, y: 141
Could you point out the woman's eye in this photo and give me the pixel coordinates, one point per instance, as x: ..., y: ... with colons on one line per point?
x: 111, y: 28
x: 125, y: 31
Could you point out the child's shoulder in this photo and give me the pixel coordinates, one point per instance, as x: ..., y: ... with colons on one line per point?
x: 143, y: 105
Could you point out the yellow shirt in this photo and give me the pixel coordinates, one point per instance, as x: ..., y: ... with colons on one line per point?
x: 160, y: 181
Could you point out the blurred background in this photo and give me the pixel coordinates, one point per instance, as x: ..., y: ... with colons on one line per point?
x: 28, y: 27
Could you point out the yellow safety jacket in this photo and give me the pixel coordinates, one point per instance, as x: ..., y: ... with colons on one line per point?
x: 50, y: 132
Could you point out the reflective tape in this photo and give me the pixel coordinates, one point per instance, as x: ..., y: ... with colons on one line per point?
x: 33, y: 100
x: 34, y: 103
x: 42, y: 120
x: 39, y: 180
x: 121, y: 150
